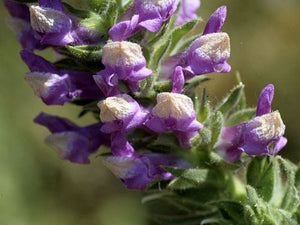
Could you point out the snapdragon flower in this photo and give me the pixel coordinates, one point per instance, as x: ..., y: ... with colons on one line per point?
x: 123, y: 61
x: 19, y: 22
x: 56, y: 87
x: 53, y: 26
x: 188, y: 11
x: 119, y: 114
x: 148, y: 14
x: 70, y: 141
x: 174, y: 112
x: 262, y: 135
x: 137, y: 171
x: 207, y: 54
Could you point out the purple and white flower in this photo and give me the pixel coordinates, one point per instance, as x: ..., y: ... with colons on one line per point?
x: 56, y: 87
x: 188, y: 11
x: 174, y: 112
x: 53, y: 26
x: 207, y: 54
x: 143, y: 14
x: 70, y: 141
x: 137, y: 171
x: 119, y: 114
x: 123, y: 61
x: 262, y: 135
x: 19, y: 22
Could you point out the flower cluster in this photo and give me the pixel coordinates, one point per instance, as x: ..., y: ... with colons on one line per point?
x: 133, y: 75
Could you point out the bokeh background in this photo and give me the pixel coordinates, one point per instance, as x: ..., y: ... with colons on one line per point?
x: 38, y: 188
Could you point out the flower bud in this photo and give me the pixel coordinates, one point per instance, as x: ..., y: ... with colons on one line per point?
x: 46, y: 20
x: 122, y: 54
x: 116, y: 108
x: 173, y: 105
x: 174, y: 112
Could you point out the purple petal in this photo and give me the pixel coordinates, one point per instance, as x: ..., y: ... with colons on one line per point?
x: 17, y: 10
x: 55, y: 123
x: 121, y: 31
x: 279, y: 144
x: 265, y: 100
x: 70, y: 141
x: 216, y: 21
x: 104, y: 84
x: 177, y: 80
x: 53, y: 89
x: 209, y: 54
x: 188, y: 11
x: 52, y: 4
x: 36, y: 63
x: 120, y: 145
x: 70, y: 145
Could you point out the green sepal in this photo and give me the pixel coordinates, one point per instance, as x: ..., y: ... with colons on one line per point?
x: 191, y: 85
x: 240, y: 117
x: 216, y: 124
x: 92, y: 53
x: 231, y: 100
x: 202, y: 108
x: 257, y: 211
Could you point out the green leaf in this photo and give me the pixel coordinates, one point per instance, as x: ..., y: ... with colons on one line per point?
x: 241, y: 116
x: 232, y: 210
x: 157, y: 55
x: 274, y: 181
x: 216, y: 126
x: 179, y: 32
x: 105, y: 15
x: 77, y: 12
x: 243, y: 101
x: 231, y: 100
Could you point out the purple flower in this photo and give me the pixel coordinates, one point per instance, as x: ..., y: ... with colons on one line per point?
x: 123, y: 61
x: 207, y: 54
x: 188, y: 11
x: 148, y: 14
x: 54, y: 27
x: 262, y: 135
x: 56, y: 87
x: 174, y: 112
x: 137, y: 171
x: 70, y: 141
x: 19, y: 22
x: 119, y: 114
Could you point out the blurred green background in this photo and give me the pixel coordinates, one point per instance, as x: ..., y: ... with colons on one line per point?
x: 38, y: 188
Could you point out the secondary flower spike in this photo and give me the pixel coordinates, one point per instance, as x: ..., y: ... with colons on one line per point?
x: 56, y: 87
x: 119, y: 114
x: 70, y: 141
x: 174, y: 112
x: 123, y: 61
x: 207, y: 54
x: 19, y: 22
x: 137, y: 171
x: 262, y: 135
x: 149, y: 14
x: 53, y: 26
x: 188, y: 11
